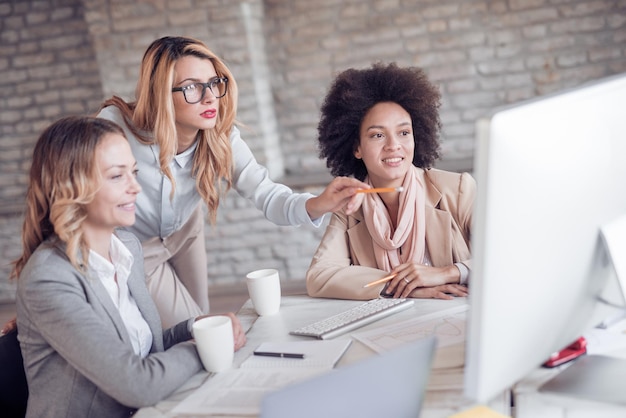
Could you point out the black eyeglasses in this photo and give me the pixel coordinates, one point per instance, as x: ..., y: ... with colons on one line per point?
x: 195, y: 92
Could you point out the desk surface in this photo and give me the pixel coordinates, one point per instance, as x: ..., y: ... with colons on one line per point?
x: 531, y: 402
x: 441, y: 400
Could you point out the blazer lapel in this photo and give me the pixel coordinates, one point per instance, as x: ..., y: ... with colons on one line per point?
x: 360, y: 240
x: 139, y: 291
x: 438, y: 225
x: 438, y: 233
x: 92, y: 282
x: 105, y: 300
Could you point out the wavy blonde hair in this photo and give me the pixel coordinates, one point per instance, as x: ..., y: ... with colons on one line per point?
x: 152, y: 118
x: 64, y: 178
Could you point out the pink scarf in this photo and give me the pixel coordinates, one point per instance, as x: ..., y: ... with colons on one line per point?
x: 410, y: 233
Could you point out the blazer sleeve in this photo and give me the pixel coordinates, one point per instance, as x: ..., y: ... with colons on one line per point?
x: 178, y: 333
x: 333, y: 273
x: 60, y: 316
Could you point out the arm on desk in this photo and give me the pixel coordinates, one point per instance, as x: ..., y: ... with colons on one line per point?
x: 333, y: 273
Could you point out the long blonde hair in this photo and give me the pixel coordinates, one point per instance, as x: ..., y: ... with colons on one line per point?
x: 152, y: 118
x: 63, y: 180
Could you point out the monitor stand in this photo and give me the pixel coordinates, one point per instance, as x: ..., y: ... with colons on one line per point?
x: 594, y: 377
x: 599, y: 377
x: 614, y: 237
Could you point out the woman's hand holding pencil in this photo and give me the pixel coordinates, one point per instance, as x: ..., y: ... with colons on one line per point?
x: 339, y: 194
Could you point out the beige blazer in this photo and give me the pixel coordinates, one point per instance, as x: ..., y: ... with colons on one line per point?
x: 344, y: 260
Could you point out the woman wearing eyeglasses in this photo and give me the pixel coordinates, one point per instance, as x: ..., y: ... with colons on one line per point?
x: 182, y: 132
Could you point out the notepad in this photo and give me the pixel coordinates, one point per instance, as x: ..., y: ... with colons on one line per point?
x: 317, y: 353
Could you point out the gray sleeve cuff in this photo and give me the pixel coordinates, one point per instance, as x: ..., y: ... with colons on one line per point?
x: 465, y: 272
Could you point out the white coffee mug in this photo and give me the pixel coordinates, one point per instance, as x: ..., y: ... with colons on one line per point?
x: 264, y: 291
x: 215, y: 342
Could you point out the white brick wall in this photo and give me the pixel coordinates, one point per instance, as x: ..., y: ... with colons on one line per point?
x: 64, y: 56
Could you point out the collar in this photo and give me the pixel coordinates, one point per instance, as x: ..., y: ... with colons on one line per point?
x: 121, y: 257
x: 185, y: 157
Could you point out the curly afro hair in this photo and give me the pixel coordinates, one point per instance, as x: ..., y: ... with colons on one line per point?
x: 354, y: 92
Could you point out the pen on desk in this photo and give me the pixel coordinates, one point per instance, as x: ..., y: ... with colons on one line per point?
x: 281, y: 355
x: 381, y: 190
x: 383, y: 280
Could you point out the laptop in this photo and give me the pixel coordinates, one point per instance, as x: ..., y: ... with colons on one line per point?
x: 391, y: 384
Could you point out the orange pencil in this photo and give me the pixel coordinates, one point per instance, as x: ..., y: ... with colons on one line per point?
x: 383, y: 280
x: 381, y: 190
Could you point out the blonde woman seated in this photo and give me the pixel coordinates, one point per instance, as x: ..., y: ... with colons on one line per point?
x: 89, y: 332
x: 381, y: 125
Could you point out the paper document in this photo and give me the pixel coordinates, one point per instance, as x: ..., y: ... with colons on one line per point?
x: 448, y: 326
x: 240, y: 391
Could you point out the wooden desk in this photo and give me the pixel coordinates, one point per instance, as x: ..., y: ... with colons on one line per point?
x: 300, y: 310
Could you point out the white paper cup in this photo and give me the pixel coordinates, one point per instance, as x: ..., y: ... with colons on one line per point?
x: 264, y: 291
x: 214, y: 342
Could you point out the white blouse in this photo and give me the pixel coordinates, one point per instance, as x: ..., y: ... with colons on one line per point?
x: 114, y: 277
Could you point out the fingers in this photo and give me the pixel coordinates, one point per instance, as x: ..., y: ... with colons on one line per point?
x: 401, y: 288
x: 430, y: 293
x: 346, y: 188
x: 412, y: 279
x: 239, y: 336
x: 354, y: 203
x: 345, y: 182
x: 404, y: 283
x: 457, y: 290
x: 442, y: 295
x: 11, y: 325
x: 407, y: 287
x: 337, y: 194
x: 447, y: 292
x: 344, y: 194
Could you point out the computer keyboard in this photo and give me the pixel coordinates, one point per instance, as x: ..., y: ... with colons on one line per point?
x: 353, y: 318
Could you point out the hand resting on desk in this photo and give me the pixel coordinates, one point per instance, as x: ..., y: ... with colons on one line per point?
x: 419, y: 281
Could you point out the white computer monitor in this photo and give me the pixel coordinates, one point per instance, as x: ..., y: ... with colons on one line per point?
x: 550, y: 173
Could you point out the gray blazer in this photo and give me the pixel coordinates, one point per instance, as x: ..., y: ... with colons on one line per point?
x: 78, y: 356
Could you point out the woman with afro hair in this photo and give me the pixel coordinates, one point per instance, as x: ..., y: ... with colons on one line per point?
x: 381, y: 125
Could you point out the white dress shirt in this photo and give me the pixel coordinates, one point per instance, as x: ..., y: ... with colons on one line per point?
x: 114, y: 277
x: 159, y: 216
